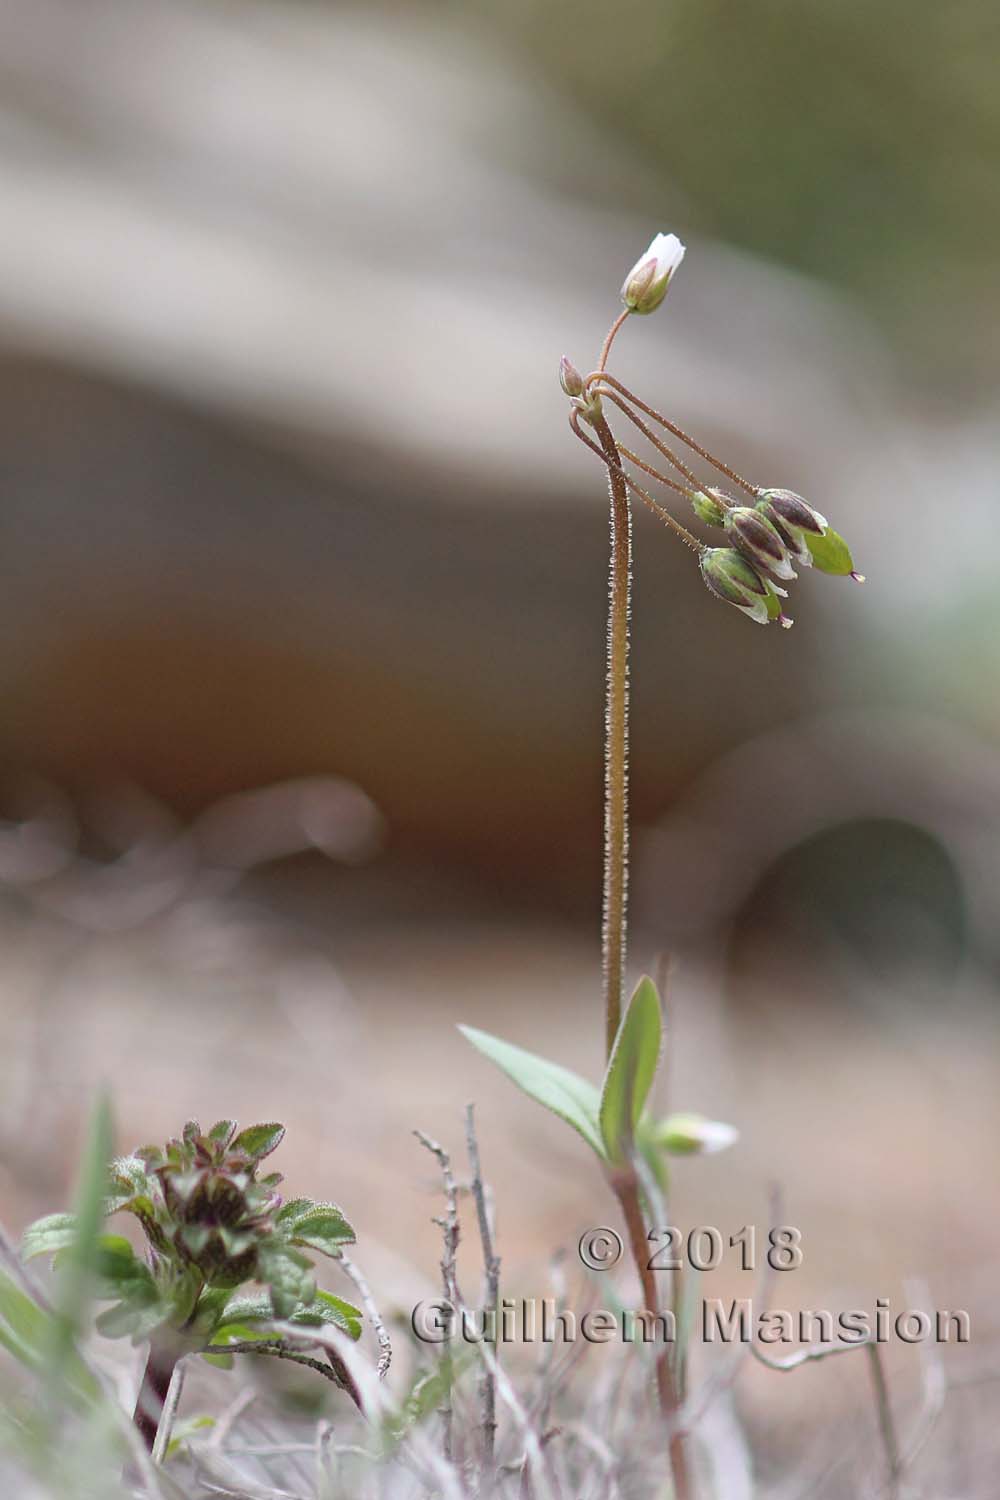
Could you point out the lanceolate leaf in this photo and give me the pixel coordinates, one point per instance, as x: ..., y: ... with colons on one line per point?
x: 631, y: 1069
x: 566, y: 1094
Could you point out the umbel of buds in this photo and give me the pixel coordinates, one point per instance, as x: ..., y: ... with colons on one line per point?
x: 770, y: 532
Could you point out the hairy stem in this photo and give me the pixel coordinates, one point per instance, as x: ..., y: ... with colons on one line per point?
x: 627, y: 1191
x: 615, y: 905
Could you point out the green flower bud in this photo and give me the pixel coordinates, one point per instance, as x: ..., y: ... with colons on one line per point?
x: 728, y: 574
x: 711, y: 507
x: 570, y: 378
x: 759, y: 541
x: 693, y: 1135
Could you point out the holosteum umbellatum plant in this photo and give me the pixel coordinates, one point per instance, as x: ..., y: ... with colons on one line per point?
x: 213, y: 1226
x: 767, y: 533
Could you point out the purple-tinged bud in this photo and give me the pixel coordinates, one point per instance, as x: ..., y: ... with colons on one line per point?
x: 570, y: 378
x: 787, y: 506
x: 646, y: 284
x: 710, y: 506
x: 728, y: 575
x: 794, y: 521
x: 759, y: 541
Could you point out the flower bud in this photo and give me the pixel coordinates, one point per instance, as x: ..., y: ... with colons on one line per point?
x: 570, y: 378
x: 693, y: 1135
x: 711, y: 506
x: 759, y: 541
x: 794, y: 520
x: 646, y: 284
x: 728, y: 574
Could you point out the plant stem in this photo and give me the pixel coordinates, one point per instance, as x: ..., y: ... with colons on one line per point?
x: 160, y: 1363
x: 613, y: 932
x: 626, y: 1189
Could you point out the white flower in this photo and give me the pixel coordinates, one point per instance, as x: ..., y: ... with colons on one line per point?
x: 646, y: 284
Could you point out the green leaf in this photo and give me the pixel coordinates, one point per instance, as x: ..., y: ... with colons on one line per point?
x: 631, y: 1070
x: 566, y: 1094
x: 24, y: 1326
x: 322, y: 1228
x: 136, y: 1317
x: 258, y: 1141
x: 830, y: 553
x: 326, y: 1308
x: 76, y: 1285
x: 222, y: 1132
x: 289, y: 1275
x: 252, y: 1308
x: 185, y: 1429
x: 48, y: 1236
x: 119, y: 1270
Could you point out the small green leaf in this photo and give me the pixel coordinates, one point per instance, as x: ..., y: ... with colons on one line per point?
x: 258, y: 1141
x: 136, y: 1318
x: 222, y: 1132
x: 185, y: 1429
x: 289, y: 1275
x: 326, y: 1308
x: 322, y: 1228
x: 830, y: 553
x: 566, y: 1094
x: 49, y: 1235
x: 631, y: 1069
x: 252, y: 1308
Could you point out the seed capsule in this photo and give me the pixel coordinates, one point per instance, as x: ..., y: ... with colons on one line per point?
x: 711, y: 507
x: 728, y: 574
x: 759, y: 541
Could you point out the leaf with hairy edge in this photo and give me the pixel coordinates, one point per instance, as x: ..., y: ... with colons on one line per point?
x: 631, y: 1069
x: 322, y: 1228
x: 258, y: 1141
x: 324, y: 1308
x: 48, y: 1236
x: 566, y: 1094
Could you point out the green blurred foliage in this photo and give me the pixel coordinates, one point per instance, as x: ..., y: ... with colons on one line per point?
x: 853, y: 140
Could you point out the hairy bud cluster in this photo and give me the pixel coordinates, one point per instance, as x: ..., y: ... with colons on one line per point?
x: 769, y: 538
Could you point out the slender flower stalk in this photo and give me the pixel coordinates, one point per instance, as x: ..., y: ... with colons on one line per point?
x: 599, y: 378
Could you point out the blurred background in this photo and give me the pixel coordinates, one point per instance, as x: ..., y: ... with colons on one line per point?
x: 303, y: 596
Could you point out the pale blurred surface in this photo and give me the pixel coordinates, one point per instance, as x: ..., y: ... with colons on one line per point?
x: 288, y: 501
